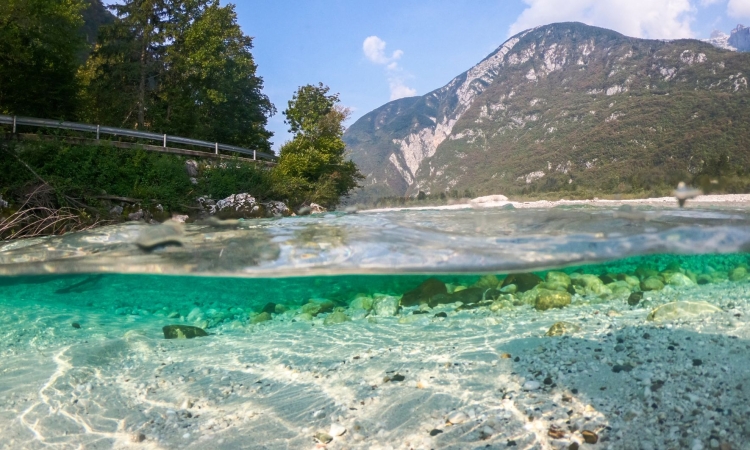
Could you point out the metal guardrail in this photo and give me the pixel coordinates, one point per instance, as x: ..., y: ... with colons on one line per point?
x: 163, y: 138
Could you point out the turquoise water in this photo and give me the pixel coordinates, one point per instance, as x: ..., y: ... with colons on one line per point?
x: 309, y: 332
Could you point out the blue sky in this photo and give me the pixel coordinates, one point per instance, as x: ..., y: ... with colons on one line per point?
x: 416, y: 46
x: 375, y: 51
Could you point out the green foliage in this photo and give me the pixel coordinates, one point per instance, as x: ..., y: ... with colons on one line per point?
x: 234, y: 177
x: 39, y: 43
x: 312, y: 166
x: 181, y: 67
x: 90, y: 172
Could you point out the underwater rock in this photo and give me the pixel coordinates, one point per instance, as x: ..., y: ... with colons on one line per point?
x: 280, y: 309
x: 631, y: 280
x: 466, y: 296
x: 587, y: 284
x: 523, y: 281
x: 76, y: 325
x: 361, y: 302
x: 385, y: 306
x: 260, y: 318
x: 497, y: 305
x: 303, y: 317
x: 116, y: 211
x: 558, y: 279
x: 323, y: 437
x: 678, y: 279
x: 457, y: 417
x: 561, y: 328
x: 314, y: 308
x: 682, y: 310
x: 358, y: 313
x: 336, y: 317
x: 738, y: 274
x: 619, y: 288
x: 607, y: 278
x: 589, y: 437
x: 168, y: 233
x: 531, y: 385
x: 269, y: 308
x: 551, y: 299
x: 705, y: 279
x: 487, y: 282
x: 441, y: 314
x: 652, y: 284
x: 182, y: 332
x: 509, y: 289
x: 336, y: 429
x: 635, y: 298
x: 424, y: 292
x: 643, y: 272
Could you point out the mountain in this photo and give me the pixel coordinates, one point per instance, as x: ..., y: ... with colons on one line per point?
x: 739, y: 40
x: 562, y: 107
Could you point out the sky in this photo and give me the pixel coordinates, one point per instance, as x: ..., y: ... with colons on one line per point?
x: 376, y: 51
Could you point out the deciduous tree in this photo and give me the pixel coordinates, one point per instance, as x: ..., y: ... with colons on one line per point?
x: 313, y: 166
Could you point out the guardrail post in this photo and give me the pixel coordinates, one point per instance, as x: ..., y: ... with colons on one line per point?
x: 165, y: 141
x: 253, y: 155
x: 14, y: 124
x: 97, y: 132
x: 217, y: 148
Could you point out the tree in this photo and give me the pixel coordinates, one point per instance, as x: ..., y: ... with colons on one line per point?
x: 121, y: 74
x: 39, y: 43
x: 180, y: 67
x: 312, y: 166
x: 212, y: 90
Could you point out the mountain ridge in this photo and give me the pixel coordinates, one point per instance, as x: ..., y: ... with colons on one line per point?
x: 504, y: 116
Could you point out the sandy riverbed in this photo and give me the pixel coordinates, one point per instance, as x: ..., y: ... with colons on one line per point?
x: 115, y: 382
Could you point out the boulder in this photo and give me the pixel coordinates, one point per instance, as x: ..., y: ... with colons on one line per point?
x: 738, y: 274
x: 678, y: 279
x: 336, y: 317
x: 191, y: 167
x: 182, y: 332
x: 317, y: 307
x: 466, y: 296
x: 558, y: 278
x: 589, y: 285
x: 487, y: 282
x: 385, y: 306
x: 260, y: 318
x: 652, y: 284
x: 523, y: 281
x: 551, y: 299
x: 683, y: 310
x: 424, y: 292
x: 361, y: 302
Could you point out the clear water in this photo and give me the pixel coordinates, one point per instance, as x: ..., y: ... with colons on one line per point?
x: 85, y: 363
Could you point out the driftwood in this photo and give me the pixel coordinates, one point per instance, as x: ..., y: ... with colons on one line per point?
x: 39, y: 216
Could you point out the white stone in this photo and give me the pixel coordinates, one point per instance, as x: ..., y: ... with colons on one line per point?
x: 337, y: 430
x: 531, y: 385
x: 457, y: 417
x: 385, y: 306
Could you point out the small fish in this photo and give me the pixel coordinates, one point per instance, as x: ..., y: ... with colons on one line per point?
x: 684, y: 193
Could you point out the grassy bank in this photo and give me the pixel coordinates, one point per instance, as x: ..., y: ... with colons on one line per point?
x: 88, y: 181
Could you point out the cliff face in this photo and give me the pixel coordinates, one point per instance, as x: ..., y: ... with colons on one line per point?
x: 740, y: 38
x: 560, y: 107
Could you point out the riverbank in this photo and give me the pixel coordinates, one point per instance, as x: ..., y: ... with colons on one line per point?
x: 703, y: 201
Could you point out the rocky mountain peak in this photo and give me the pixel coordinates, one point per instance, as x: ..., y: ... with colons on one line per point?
x: 541, y: 107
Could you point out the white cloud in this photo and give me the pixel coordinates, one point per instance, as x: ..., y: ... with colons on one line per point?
x: 710, y: 2
x: 662, y: 19
x: 400, y: 90
x: 374, y: 49
x: 739, y: 8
